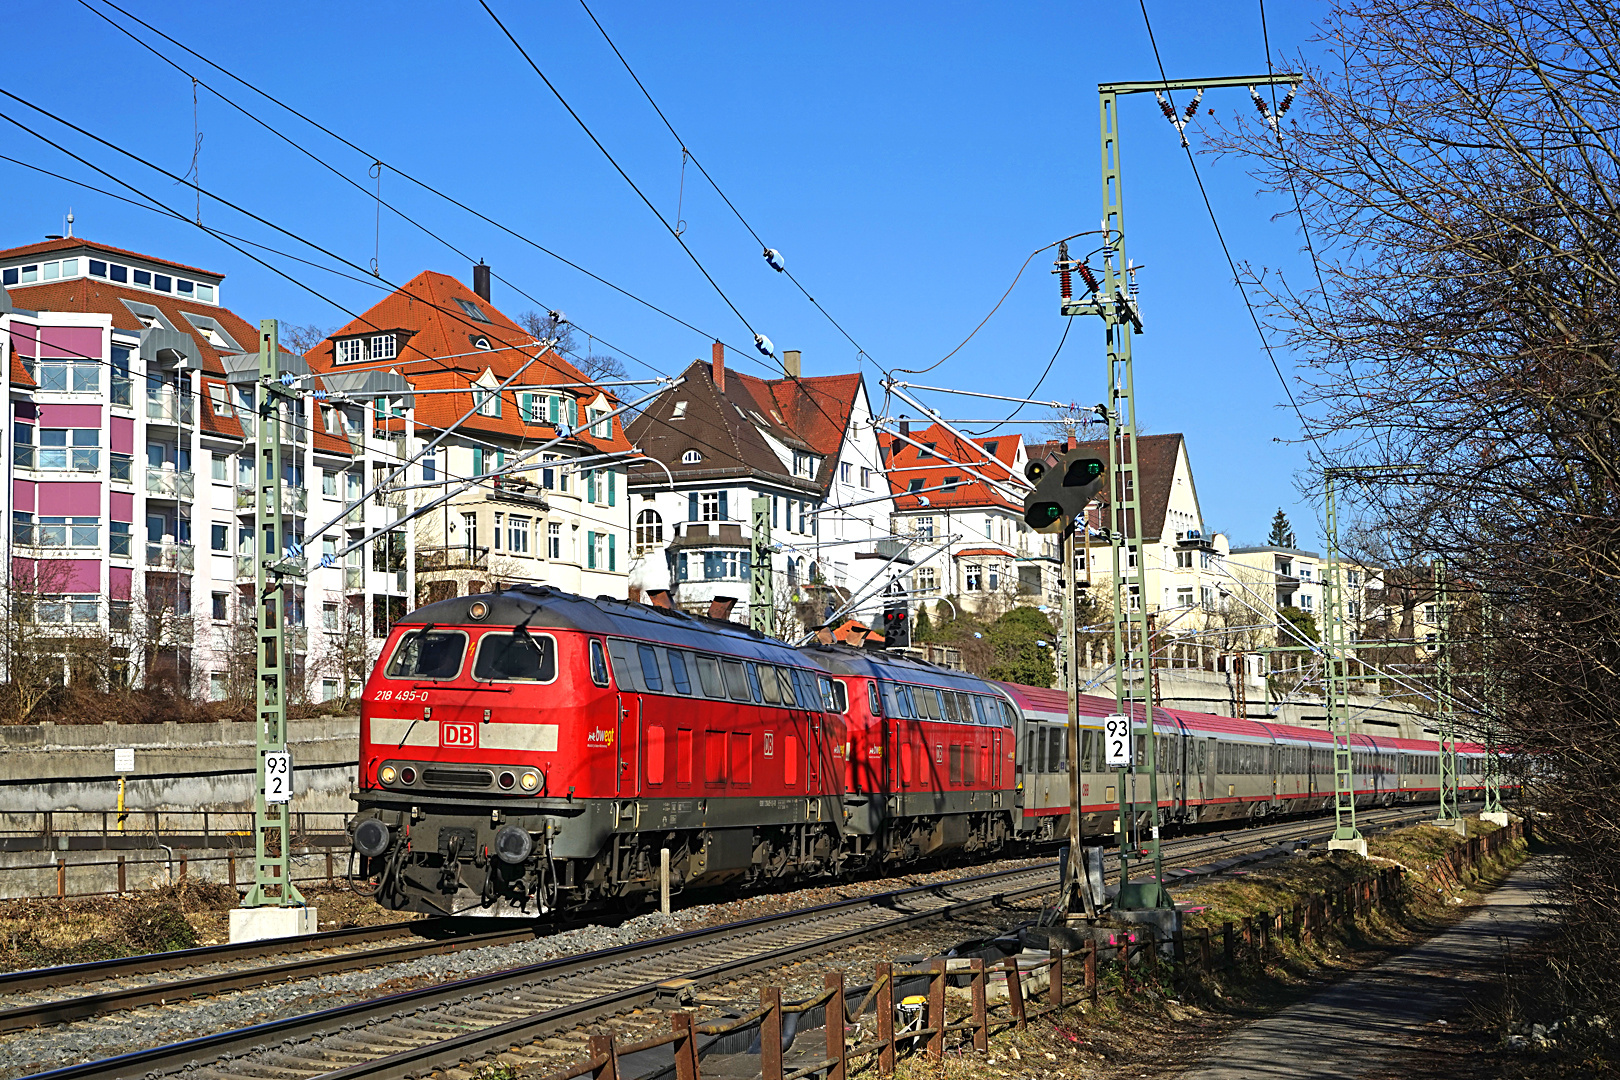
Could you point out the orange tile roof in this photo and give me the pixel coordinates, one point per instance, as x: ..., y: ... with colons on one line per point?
x: 19, y: 374
x: 981, y: 551
x: 438, y: 353
x: 210, y: 421
x: 70, y: 243
x: 104, y: 297
x: 970, y: 491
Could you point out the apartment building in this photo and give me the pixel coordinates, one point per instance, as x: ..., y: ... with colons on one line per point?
x: 528, y: 471
x: 807, y: 444
x: 133, y: 487
x: 957, y: 498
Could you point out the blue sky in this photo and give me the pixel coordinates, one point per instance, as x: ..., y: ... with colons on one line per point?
x: 905, y: 158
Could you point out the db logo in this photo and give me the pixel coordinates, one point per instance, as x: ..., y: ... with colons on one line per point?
x: 464, y: 736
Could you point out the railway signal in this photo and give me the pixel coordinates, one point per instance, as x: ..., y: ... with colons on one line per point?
x: 1063, y: 488
x: 897, y: 618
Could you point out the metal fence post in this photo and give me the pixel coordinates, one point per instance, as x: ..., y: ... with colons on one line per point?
x: 686, y: 1060
x: 1228, y: 946
x: 601, y: 1046
x: 121, y: 878
x: 981, y: 1011
x: 1091, y: 971
x: 770, y: 1033
x: 61, y: 878
x: 885, y: 1018
x: 936, y: 1011
x: 837, y: 1047
x: 1015, y: 992
x: 1054, y: 981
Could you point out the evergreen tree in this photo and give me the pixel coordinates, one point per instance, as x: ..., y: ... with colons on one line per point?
x: 1282, y: 533
x: 922, y: 629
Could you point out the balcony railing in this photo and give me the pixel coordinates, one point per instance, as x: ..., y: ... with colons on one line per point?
x: 122, y: 390
x: 171, y: 556
x: 170, y: 483
x: 520, y: 489
x: 452, y: 558
x: 245, y: 567
x: 122, y: 468
x: 354, y: 578
x: 78, y: 377
x: 294, y: 499
x: 57, y: 458
x: 170, y: 407
x: 296, y: 638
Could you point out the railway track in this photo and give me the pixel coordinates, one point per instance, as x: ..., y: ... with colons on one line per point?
x: 437, y: 1026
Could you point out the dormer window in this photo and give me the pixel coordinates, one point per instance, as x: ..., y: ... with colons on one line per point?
x: 481, y: 342
x: 473, y: 311
x: 691, y: 457
x: 351, y: 350
x: 680, y: 411
x: 804, y: 464
x: 384, y: 347
x: 150, y: 322
x: 489, y: 402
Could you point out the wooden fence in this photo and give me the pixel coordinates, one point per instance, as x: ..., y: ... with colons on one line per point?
x: 1070, y: 978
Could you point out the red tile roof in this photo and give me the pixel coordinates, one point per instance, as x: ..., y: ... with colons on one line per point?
x: 982, y: 551
x: 210, y: 421
x: 70, y: 243
x: 104, y: 297
x: 934, y: 470
x: 437, y: 352
x: 19, y: 374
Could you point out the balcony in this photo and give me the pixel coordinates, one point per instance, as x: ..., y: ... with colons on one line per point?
x: 57, y: 458
x: 170, y: 483
x: 452, y: 558
x: 122, y: 468
x: 1287, y: 583
x: 57, y: 377
x: 296, y: 638
x: 181, y: 558
x: 245, y: 568
x: 122, y: 391
x: 169, y: 406
x: 294, y: 499
x: 521, y: 490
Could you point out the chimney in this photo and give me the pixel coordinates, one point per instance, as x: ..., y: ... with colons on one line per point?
x: 660, y: 598
x: 481, y: 280
x: 824, y: 635
x: 905, y: 428
x: 719, y: 367
x: 720, y: 607
x: 790, y: 363
x: 634, y: 595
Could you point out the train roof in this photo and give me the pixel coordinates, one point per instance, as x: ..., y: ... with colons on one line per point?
x: 544, y: 607
x: 844, y: 660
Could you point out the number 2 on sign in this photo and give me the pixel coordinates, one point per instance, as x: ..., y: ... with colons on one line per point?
x: 1117, y: 740
x: 277, y: 777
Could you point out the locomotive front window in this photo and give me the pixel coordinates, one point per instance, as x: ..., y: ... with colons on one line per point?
x: 599, y: 674
x: 516, y: 658
x: 433, y: 655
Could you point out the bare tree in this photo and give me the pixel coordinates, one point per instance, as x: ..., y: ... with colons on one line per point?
x: 593, y: 365
x: 1458, y: 166
x: 301, y: 339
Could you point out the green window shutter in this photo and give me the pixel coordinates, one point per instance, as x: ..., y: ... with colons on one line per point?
x: 590, y: 486
x: 573, y: 413
x: 551, y: 408
x: 526, y: 406
x: 497, y: 396
x: 590, y: 551
x: 613, y: 561
x: 500, y: 459
x: 611, y: 502
x: 478, y: 461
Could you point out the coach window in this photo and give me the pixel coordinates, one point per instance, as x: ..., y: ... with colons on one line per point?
x: 653, y: 678
x: 624, y: 672
x: 709, y: 675
x: 736, y: 681
x: 521, y: 657
x: 677, y: 672
x: 428, y: 654
x: 599, y: 674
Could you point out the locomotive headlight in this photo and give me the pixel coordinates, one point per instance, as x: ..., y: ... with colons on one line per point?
x: 513, y: 845
x: 530, y: 781
x: 387, y: 775
x: 371, y: 838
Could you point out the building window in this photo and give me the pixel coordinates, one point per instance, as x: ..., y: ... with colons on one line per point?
x: 329, y: 616
x: 709, y: 506
x: 351, y: 350
x: 517, y: 535
x: 951, y: 483
x: 1207, y: 596
x: 724, y: 565
x: 600, y: 428
x: 329, y: 689
x: 866, y: 478
x: 1353, y: 608
x: 473, y: 310
x: 1307, y: 602
x: 499, y: 525
x: 469, y: 530
x: 220, y: 537
x: 914, y: 485
x: 1352, y: 578
x: 994, y: 579
x: 925, y: 527
x: 1184, y: 560
x: 430, y: 469
x: 489, y: 402
x: 548, y: 474
x: 220, y: 609
x: 925, y: 579
x: 649, y: 531
x: 218, y: 685
x: 975, y: 577
x: 554, y: 540
x: 385, y: 611
x: 846, y: 472
x: 691, y: 457
x: 384, y: 347
x: 1431, y: 614
x: 1184, y: 596
x: 804, y: 464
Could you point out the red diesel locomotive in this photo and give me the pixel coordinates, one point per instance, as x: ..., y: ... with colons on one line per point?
x: 531, y: 750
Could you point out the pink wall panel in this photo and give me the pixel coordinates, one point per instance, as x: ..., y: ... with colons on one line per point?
x: 23, y: 339
x: 22, y: 495
x: 118, y: 584
x: 26, y: 411
x: 71, y: 575
x: 70, y: 416
x: 70, y: 342
x: 122, y: 506
x: 70, y: 500
x: 123, y: 435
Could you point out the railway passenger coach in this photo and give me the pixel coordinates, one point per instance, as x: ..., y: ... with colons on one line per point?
x: 530, y: 750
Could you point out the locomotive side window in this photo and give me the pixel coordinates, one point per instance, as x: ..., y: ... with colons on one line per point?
x: 624, y: 671
x: 753, y: 682
x: 872, y: 699
x: 677, y: 672
x: 980, y: 712
x: 516, y: 658
x: 709, y: 675
x: 736, y: 681
x: 433, y: 655
x: 829, y: 700
x: 840, y: 695
x: 784, y: 687
x: 599, y: 674
x: 652, y: 678
x: 927, y: 699
x: 770, y: 685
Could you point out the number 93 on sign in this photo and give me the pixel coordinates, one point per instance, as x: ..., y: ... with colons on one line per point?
x: 278, y: 777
